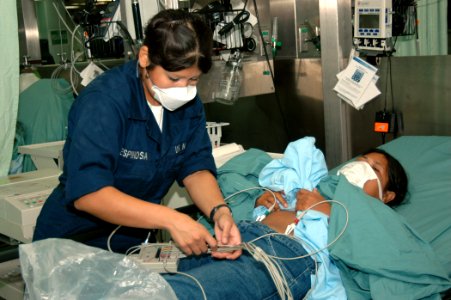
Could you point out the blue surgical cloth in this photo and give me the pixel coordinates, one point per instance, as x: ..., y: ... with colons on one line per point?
x: 302, y: 167
x: 379, y: 255
x: 312, y: 230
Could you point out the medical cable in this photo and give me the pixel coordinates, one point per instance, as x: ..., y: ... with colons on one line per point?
x: 135, y: 249
x: 274, y: 270
x: 56, y: 75
x: 63, y: 21
x: 297, y: 239
x: 269, y: 261
x: 132, y: 250
x: 111, y: 236
x: 193, y: 278
x: 311, y: 250
x: 305, y: 245
x: 250, y: 189
x: 56, y: 85
x: 256, y: 188
x: 74, y: 80
x: 73, y: 70
x: 228, y: 201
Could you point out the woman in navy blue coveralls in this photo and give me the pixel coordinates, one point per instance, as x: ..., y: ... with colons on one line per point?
x: 132, y: 132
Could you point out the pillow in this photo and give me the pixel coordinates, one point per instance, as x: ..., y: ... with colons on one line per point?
x: 427, y: 161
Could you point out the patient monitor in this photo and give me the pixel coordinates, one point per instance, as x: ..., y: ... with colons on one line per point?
x: 21, y: 200
x: 373, y: 24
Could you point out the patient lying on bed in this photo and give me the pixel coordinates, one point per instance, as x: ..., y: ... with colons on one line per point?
x: 387, y: 184
x: 377, y: 173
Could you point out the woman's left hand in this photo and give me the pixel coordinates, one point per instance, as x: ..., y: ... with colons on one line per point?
x: 227, y: 233
x: 202, y: 187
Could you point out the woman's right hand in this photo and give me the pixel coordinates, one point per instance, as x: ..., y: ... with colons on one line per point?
x: 267, y: 200
x: 190, y: 236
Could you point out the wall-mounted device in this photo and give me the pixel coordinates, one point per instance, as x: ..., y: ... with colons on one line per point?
x: 373, y: 25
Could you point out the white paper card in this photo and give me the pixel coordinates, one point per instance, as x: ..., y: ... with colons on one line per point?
x: 357, y: 83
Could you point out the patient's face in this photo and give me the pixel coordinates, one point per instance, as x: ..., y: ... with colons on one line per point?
x: 380, y: 165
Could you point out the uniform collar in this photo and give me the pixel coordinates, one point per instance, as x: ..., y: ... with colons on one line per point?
x: 139, y: 109
x: 138, y: 104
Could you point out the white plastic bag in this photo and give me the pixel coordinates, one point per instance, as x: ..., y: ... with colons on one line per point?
x: 64, y: 269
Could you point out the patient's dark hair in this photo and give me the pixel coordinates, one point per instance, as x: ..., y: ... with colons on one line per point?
x: 397, y: 177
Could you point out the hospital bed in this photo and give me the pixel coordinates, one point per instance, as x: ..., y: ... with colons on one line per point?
x: 427, y: 160
x: 427, y: 209
x: 425, y: 216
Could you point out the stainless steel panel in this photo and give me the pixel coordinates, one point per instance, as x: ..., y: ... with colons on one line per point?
x: 257, y: 79
x: 336, y: 41
x: 299, y: 90
x: 285, y: 12
x: 28, y: 30
x: 291, y: 16
x: 270, y: 121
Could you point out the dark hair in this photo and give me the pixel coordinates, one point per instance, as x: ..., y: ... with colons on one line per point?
x: 178, y: 40
x: 397, y: 177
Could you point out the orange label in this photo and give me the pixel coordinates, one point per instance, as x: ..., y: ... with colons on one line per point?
x: 380, y: 127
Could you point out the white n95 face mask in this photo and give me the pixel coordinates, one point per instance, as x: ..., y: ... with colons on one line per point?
x: 173, y: 98
x: 358, y: 173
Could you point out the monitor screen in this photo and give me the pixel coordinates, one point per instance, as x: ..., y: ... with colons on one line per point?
x: 369, y: 21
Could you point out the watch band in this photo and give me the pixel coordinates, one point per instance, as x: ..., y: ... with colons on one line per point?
x: 215, y: 209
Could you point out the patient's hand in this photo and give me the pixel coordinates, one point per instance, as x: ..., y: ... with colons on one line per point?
x: 267, y: 200
x: 305, y: 199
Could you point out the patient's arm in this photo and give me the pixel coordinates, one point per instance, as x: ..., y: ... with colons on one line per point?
x: 279, y: 220
x: 305, y: 199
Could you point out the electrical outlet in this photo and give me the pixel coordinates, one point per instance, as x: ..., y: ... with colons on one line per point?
x: 389, y: 122
x: 382, y: 122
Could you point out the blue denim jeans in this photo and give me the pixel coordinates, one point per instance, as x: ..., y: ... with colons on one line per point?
x: 244, y: 278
